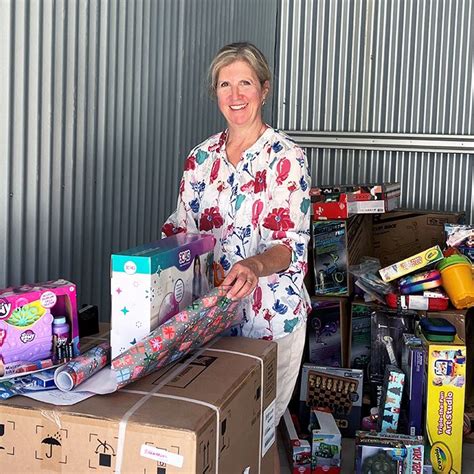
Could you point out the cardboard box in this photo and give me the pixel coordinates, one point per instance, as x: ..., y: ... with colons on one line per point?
x: 336, y: 245
x: 397, y: 235
x: 153, y: 282
x: 392, y: 391
x: 212, y: 412
x: 445, y: 387
x: 359, y: 348
x: 298, y: 450
x: 327, y: 331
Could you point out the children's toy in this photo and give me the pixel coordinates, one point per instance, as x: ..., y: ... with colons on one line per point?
x: 386, y: 333
x: 299, y: 450
x: 153, y: 282
x: 446, y: 381
x: 457, y: 279
x: 417, y: 302
x: 324, y: 332
x: 461, y: 237
x: 326, y: 445
x: 413, y: 364
x: 376, y: 456
x: 333, y: 388
x: 437, y: 329
x: 389, y: 409
x: 411, y: 264
x: 411, y: 449
x: 26, y: 320
x: 420, y: 282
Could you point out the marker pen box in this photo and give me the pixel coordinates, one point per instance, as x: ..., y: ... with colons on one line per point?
x: 437, y: 329
x: 420, y: 282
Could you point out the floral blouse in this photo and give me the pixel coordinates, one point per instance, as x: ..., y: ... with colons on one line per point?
x: 261, y: 202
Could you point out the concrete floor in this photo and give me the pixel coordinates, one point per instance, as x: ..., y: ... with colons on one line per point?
x: 348, y: 457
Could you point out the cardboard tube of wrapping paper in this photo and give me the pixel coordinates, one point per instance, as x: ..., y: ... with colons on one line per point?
x: 82, y: 367
x: 188, y: 330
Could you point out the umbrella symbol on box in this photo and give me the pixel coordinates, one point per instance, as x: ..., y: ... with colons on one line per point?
x: 51, y: 441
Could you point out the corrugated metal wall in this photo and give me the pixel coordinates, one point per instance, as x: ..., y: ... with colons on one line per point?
x: 100, y: 100
x: 400, y: 66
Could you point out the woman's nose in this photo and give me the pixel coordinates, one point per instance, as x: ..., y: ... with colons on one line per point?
x: 235, y: 93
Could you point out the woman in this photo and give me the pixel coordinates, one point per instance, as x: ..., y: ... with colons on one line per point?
x: 249, y: 187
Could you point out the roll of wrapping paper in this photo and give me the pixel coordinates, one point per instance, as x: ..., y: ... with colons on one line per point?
x: 188, y: 330
x: 82, y: 367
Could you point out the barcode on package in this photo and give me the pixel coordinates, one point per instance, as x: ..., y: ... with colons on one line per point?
x: 268, y: 429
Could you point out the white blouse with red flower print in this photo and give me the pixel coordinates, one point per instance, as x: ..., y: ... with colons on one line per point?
x: 261, y: 202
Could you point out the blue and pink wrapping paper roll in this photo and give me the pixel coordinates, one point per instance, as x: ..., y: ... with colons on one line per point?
x: 72, y: 374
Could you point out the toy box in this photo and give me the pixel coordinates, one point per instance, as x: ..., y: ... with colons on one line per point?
x: 298, y: 450
x: 337, y: 389
x: 413, y: 364
x: 392, y: 391
x: 359, y: 349
x: 387, y: 331
x: 445, y: 387
x: 374, y: 456
x: 411, y: 264
x: 26, y: 320
x: 327, y: 331
x: 336, y: 245
x: 326, y: 442
x: 153, y: 282
x: 411, y: 451
x: 343, y: 201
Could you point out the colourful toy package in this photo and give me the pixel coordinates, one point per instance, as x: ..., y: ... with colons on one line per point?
x: 326, y: 445
x: 389, y: 409
x: 26, y: 322
x: 446, y: 381
x: 153, y: 282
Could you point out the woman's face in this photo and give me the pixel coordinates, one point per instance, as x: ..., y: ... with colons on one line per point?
x: 240, y: 94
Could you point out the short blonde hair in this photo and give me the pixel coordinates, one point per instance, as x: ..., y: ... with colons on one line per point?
x: 239, y: 52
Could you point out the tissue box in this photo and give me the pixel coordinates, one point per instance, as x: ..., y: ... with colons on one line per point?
x: 153, y: 282
x: 26, y: 318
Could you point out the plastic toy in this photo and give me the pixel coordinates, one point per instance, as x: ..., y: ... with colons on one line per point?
x: 419, y: 282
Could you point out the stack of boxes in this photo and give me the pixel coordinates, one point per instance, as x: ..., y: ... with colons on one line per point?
x: 395, y: 370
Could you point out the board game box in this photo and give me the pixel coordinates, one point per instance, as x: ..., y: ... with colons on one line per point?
x: 337, y: 389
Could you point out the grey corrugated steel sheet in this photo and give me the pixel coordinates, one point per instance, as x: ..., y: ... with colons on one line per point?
x: 100, y: 102
x: 400, y: 66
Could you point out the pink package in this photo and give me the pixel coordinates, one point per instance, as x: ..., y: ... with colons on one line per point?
x: 26, y: 319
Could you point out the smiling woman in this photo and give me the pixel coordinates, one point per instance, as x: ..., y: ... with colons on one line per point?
x: 248, y: 186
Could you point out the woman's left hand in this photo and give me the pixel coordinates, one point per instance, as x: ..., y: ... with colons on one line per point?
x: 242, y: 278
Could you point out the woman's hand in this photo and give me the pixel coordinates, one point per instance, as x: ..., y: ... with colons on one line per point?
x: 242, y: 278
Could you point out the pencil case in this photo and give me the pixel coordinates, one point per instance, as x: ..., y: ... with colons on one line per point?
x: 437, y: 329
x: 420, y: 282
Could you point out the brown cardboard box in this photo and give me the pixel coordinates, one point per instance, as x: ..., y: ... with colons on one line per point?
x: 398, y: 235
x: 207, y: 415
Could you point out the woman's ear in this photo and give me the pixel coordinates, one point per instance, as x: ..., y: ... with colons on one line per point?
x: 265, y: 89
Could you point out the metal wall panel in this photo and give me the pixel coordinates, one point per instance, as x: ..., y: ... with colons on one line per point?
x: 101, y: 100
x: 397, y: 66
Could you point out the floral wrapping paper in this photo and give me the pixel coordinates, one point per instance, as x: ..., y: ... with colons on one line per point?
x: 188, y: 330
x: 82, y: 367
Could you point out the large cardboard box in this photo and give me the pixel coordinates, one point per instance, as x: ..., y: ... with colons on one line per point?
x: 213, y: 412
x: 397, y: 235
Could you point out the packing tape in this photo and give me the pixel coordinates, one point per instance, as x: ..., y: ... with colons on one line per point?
x: 146, y: 396
x: 261, y: 398
x: 171, y: 376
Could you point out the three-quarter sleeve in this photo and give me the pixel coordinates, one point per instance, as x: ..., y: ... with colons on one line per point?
x: 286, y: 219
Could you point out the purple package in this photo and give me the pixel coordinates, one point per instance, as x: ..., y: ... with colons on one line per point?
x: 26, y: 316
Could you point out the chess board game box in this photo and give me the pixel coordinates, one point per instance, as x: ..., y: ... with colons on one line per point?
x: 336, y: 388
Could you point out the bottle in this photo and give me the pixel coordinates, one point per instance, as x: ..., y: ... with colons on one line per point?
x: 60, y: 336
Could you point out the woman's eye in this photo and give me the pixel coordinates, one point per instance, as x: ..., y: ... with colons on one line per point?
x: 223, y: 84
x: 245, y: 83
